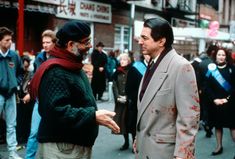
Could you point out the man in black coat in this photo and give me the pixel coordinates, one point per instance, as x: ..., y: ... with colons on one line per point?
x: 201, y: 68
x: 134, y: 77
x: 98, y: 60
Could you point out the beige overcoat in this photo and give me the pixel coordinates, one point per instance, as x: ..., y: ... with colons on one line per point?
x: 168, y: 114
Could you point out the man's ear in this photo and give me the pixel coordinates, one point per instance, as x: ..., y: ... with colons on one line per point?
x: 70, y: 45
x: 162, y: 41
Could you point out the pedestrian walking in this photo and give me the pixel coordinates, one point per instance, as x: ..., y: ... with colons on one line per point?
x: 99, y: 61
x: 12, y: 72
x: 205, y: 103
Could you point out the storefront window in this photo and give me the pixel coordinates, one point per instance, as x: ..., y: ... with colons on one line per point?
x: 121, y: 37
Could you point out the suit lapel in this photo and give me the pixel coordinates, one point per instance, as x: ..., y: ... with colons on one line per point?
x: 155, y: 83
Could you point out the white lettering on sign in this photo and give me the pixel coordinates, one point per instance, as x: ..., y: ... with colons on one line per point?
x: 85, y: 6
x: 102, y: 9
x: 84, y: 10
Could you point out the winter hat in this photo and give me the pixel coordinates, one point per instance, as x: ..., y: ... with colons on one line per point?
x: 73, y: 31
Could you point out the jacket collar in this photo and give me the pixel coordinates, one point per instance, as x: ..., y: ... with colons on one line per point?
x: 153, y: 87
x: 8, y: 54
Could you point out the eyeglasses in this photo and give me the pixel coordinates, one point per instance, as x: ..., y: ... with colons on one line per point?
x: 86, y: 42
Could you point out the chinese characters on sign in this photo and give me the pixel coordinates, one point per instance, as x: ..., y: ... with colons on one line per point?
x: 84, y: 10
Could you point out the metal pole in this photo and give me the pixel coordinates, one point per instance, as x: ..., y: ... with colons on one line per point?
x: 20, y: 29
x: 132, y: 16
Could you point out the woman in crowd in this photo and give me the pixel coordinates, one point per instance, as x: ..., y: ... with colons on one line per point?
x: 121, y: 104
x: 134, y: 77
x: 220, y: 90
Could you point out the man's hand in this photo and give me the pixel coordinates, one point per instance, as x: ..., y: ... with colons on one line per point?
x: 134, y: 146
x: 104, y: 117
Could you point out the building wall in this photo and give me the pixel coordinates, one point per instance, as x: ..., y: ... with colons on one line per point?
x: 35, y: 24
x: 226, y: 11
x: 208, y: 12
x: 105, y: 32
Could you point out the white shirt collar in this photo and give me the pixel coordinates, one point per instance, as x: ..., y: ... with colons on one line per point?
x: 4, y: 54
x: 155, y: 59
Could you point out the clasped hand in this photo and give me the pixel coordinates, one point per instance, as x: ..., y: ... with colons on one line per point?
x: 121, y: 99
x: 220, y: 101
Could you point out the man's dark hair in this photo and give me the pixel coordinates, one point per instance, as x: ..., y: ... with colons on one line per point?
x: 160, y: 29
x: 5, y: 31
x: 212, y: 48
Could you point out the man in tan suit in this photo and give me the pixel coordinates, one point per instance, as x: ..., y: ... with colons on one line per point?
x: 168, y: 102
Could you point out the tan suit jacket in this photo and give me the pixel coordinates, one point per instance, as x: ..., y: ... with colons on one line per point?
x: 168, y: 114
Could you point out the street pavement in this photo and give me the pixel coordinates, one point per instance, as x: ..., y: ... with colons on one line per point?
x: 107, y: 144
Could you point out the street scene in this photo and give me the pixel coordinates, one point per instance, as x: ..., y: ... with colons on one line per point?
x: 87, y: 78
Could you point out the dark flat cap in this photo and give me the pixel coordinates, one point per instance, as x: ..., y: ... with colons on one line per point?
x: 100, y: 44
x: 73, y: 31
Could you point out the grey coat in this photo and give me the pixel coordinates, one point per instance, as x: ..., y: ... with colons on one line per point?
x: 168, y: 113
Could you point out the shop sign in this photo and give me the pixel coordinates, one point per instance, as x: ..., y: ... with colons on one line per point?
x: 41, y: 8
x: 84, y: 10
x: 56, y: 2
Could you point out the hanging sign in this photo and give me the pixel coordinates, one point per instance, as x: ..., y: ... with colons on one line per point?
x: 84, y: 10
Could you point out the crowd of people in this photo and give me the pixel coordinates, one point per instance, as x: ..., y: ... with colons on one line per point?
x: 215, y: 78
x: 159, y: 96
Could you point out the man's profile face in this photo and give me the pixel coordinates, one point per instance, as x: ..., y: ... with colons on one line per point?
x: 100, y: 48
x: 147, y: 43
x: 84, y: 45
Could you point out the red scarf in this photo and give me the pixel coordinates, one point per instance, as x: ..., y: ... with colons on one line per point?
x: 62, y: 58
x: 122, y: 69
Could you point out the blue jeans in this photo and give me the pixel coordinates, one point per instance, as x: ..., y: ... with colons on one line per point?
x: 8, y: 108
x: 32, y: 144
